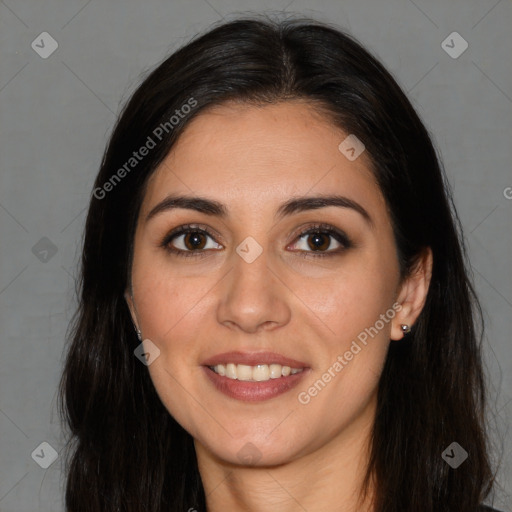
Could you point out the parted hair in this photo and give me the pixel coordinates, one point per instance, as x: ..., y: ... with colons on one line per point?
x: 125, y: 452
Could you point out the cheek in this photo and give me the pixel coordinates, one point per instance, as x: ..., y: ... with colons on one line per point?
x: 170, y: 308
x: 356, y: 313
x: 166, y: 300
x: 351, y: 301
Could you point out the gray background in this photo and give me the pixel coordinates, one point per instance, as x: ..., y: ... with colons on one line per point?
x: 56, y: 114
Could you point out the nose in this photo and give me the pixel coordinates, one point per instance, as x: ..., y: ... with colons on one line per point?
x: 253, y: 296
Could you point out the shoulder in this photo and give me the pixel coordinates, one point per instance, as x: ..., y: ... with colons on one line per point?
x: 485, y: 508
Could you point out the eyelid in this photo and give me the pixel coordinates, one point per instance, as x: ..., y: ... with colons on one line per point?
x: 183, y: 229
x: 340, y: 236
x: 322, y: 228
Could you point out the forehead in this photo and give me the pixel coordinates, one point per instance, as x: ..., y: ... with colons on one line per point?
x: 240, y: 152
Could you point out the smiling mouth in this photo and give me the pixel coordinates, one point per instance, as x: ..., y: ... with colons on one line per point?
x: 256, y: 373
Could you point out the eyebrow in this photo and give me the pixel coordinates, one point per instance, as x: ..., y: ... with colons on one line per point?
x: 295, y: 205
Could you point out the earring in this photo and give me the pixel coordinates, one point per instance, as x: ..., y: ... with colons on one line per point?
x: 137, y: 330
x: 405, y: 329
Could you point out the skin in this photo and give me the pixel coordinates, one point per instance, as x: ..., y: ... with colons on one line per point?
x: 252, y: 159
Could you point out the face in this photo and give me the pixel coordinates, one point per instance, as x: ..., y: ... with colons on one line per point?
x: 297, y: 302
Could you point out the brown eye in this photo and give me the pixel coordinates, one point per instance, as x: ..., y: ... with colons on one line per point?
x: 189, y: 241
x: 194, y: 240
x: 322, y: 240
x: 319, y: 241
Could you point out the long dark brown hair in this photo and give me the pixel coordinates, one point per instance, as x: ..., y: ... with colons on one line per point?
x: 125, y: 451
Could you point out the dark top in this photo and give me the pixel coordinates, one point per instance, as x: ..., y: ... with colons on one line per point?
x: 485, y: 508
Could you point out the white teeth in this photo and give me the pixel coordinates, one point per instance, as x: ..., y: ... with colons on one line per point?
x: 261, y: 372
x: 231, y: 371
x: 258, y: 373
x: 275, y: 371
x: 243, y: 372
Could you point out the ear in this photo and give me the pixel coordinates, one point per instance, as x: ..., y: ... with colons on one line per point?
x: 412, y: 293
x: 131, y: 306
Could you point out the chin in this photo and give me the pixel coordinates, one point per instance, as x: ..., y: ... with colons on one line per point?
x: 256, y: 451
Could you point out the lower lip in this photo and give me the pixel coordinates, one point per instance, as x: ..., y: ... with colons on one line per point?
x: 254, y: 391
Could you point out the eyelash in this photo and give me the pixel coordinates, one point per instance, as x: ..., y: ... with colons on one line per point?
x: 322, y: 229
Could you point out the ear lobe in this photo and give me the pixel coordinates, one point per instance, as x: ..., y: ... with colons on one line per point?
x: 413, y: 293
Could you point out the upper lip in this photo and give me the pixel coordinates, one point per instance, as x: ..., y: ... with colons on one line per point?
x: 253, y: 359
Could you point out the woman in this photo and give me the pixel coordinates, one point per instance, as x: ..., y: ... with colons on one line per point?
x: 275, y: 311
